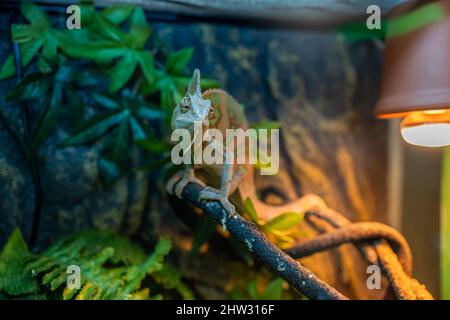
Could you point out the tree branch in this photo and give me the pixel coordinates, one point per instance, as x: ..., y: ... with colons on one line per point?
x: 290, y: 270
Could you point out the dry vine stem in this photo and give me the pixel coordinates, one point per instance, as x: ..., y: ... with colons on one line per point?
x: 373, y: 239
x: 357, y: 232
x: 397, y: 267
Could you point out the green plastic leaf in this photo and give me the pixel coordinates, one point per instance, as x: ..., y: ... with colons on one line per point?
x: 101, y: 51
x: 357, y: 31
x: 8, y: 68
x: 398, y: 26
x: 139, y: 29
x: 14, y: 280
x: 51, y: 44
x: 101, y: 25
x: 137, y: 129
x: 146, y: 63
x: 40, y: 32
x: 147, y: 112
x: 28, y: 51
x: 33, y: 13
x: 154, y: 145
x: 44, y: 64
x: 114, y: 154
x: 22, y: 33
x: 95, y: 127
x: 32, y: 38
x: 117, y: 14
x: 250, y: 209
x: 419, y: 18
x: 48, y: 120
x: 252, y: 289
x: 122, y: 71
x: 33, y: 86
x: 206, y: 226
x: 177, y: 62
x: 274, y: 290
x: 283, y: 222
x: 105, y: 101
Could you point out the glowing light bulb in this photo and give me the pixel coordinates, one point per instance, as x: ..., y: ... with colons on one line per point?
x: 430, y: 128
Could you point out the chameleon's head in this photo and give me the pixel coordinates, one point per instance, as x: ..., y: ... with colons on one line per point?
x: 192, y: 107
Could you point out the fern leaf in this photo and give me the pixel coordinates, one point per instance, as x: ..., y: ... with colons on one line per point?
x: 170, y: 278
x: 111, y: 266
x: 13, y: 258
x: 91, y: 251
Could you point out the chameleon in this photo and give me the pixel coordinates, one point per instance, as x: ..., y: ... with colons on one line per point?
x: 229, y: 183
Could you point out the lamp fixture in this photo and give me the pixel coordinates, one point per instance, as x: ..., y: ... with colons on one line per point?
x: 415, y: 83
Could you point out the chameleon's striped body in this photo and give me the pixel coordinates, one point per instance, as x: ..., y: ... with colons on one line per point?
x: 229, y: 114
x: 228, y: 183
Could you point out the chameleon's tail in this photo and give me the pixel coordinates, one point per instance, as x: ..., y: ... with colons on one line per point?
x: 309, y: 202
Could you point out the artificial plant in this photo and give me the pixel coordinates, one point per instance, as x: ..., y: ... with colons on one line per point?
x: 112, y: 267
x: 114, y: 46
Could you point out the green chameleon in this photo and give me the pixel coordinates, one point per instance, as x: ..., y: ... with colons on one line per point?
x: 229, y: 183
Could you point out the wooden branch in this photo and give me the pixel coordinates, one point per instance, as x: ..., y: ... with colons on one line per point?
x: 290, y: 270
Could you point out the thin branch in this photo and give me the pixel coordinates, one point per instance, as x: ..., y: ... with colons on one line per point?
x: 34, y: 165
x: 290, y: 270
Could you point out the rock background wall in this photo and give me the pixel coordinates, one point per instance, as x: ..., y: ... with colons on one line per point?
x: 320, y: 88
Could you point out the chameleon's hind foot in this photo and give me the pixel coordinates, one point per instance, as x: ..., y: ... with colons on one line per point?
x: 210, y: 193
x: 170, y: 185
x: 179, y: 181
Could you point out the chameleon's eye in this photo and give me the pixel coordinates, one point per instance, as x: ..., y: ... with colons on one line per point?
x: 185, y: 104
x: 185, y: 108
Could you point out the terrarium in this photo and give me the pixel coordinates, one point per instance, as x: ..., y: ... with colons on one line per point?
x: 232, y: 150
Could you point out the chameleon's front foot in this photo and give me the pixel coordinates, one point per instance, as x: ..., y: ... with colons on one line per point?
x: 179, y: 181
x: 210, y: 193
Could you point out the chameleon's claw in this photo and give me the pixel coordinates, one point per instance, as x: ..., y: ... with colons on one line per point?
x: 179, y: 187
x: 210, y: 193
x: 170, y: 185
x: 179, y: 181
